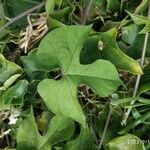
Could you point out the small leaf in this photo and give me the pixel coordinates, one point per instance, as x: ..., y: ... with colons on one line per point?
x: 126, y: 142
x: 9, y: 82
x: 112, y: 53
x: 60, y: 17
x: 130, y: 33
x: 33, y: 138
x: 30, y: 63
x: 142, y: 7
x: 32, y: 67
x: 134, y: 50
x: 140, y: 20
x: 3, y: 106
x: 15, y: 93
x: 53, y: 23
x: 7, y: 69
x: 60, y: 128
x: 49, y: 6
x: 83, y: 142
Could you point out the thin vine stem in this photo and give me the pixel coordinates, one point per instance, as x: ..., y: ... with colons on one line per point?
x: 87, y: 11
x: 105, y: 128
x: 138, y: 76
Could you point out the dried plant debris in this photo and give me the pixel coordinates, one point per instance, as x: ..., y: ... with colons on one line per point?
x: 36, y: 29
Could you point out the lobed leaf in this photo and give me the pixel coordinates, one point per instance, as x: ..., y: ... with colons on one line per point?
x: 60, y: 128
x: 140, y: 20
x: 127, y: 142
x: 112, y: 53
x: 62, y: 48
x: 83, y: 142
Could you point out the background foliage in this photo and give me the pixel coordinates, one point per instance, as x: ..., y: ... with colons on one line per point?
x: 68, y: 70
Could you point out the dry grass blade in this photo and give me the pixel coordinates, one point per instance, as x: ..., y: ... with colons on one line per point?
x: 33, y: 32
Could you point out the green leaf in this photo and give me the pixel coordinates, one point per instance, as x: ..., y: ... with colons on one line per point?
x: 30, y: 62
x: 3, y: 106
x: 9, y: 82
x: 60, y: 17
x: 49, y: 6
x: 53, y: 23
x: 90, y: 51
x: 130, y: 33
x: 111, y: 52
x: 32, y: 67
x: 140, y: 20
x: 83, y: 142
x: 112, y: 24
x: 28, y: 136
x: 60, y: 128
x: 132, y: 41
x: 142, y: 7
x: 145, y: 80
x: 4, y: 33
x: 7, y: 69
x: 61, y: 98
x: 127, y: 142
x: 61, y: 48
x: 15, y: 94
x: 125, y: 102
x: 15, y: 8
x: 113, y: 5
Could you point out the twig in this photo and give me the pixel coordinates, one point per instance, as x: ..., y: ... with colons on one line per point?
x: 105, y: 129
x: 22, y: 15
x: 139, y: 76
x: 87, y: 11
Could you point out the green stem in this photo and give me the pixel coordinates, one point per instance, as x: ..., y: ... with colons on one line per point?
x: 105, y: 128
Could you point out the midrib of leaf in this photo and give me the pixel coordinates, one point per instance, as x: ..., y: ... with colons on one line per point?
x: 65, y: 79
x: 74, y: 58
x: 81, y: 74
x: 58, y: 95
x: 71, y: 93
x: 71, y: 75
